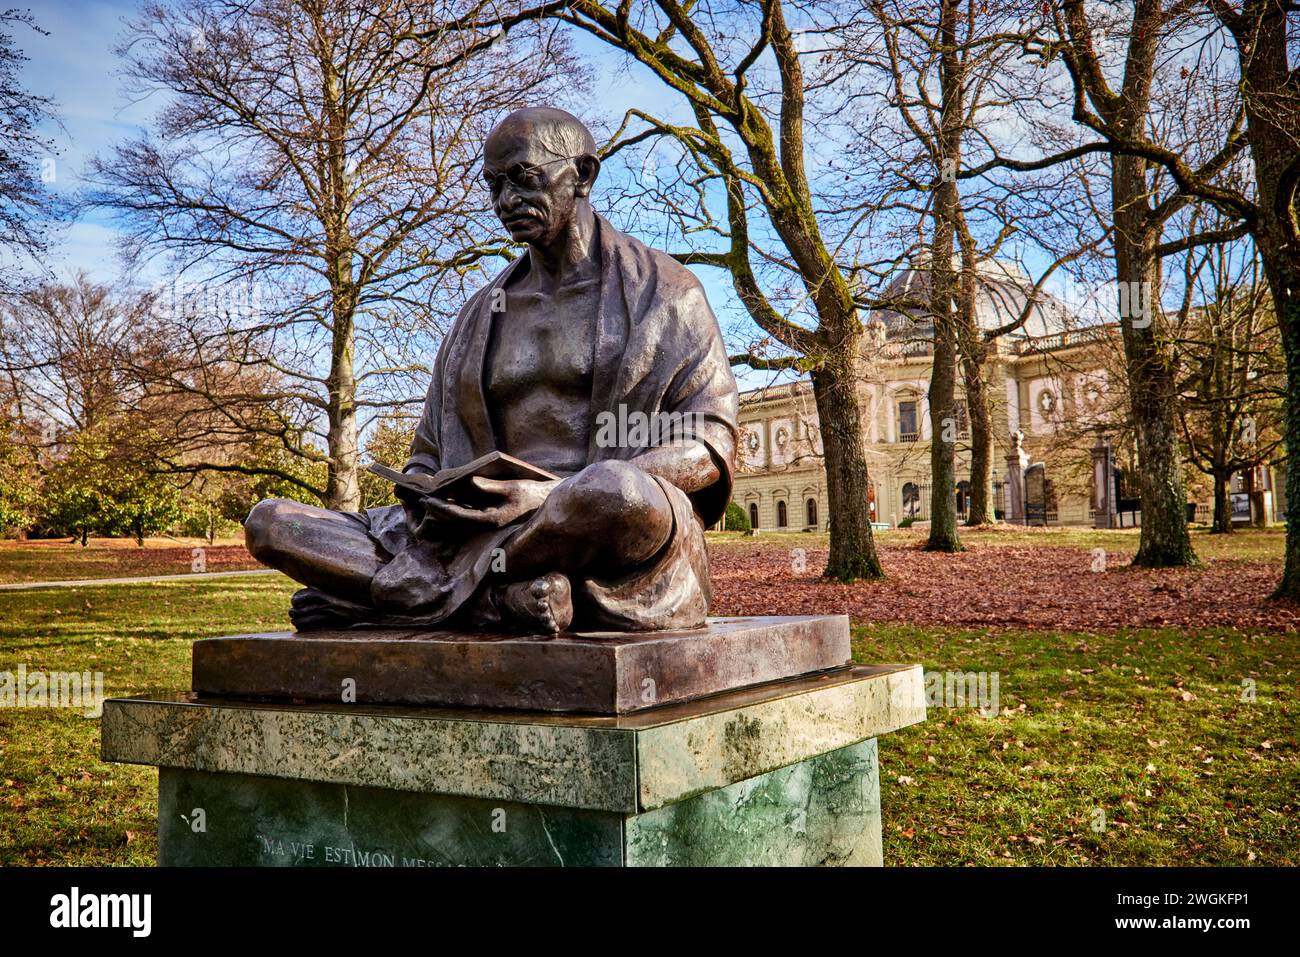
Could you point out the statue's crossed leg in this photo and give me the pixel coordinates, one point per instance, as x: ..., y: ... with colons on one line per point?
x: 603, y: 521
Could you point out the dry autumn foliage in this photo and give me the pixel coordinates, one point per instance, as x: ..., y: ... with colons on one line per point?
x: 1011, y: 586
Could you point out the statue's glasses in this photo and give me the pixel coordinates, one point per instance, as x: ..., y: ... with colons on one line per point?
x: 520, y: 175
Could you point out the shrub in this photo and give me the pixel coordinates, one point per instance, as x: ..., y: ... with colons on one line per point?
x: 736, y: 520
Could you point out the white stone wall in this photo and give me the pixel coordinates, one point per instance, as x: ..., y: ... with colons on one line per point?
x: 772, y: 472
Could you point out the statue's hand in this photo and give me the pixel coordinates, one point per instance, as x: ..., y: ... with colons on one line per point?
x: 517, y: 498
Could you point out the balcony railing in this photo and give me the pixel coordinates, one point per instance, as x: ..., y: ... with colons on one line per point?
x: 908, y: 436
x: 1055, y: 341
x: 905, y: 349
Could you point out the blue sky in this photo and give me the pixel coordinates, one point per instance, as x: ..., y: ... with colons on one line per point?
x: 75, y: 65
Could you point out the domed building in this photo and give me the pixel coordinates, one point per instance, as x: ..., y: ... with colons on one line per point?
x: 1046, y: 373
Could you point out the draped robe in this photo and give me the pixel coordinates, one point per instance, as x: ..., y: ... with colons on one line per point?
x: 658, y: 350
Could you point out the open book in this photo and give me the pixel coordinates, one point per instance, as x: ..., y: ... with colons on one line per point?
x: 455, y: 483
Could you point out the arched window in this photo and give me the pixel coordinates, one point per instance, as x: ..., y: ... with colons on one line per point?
x: 911, y: 500
x: 753, y: 514
x: 812, y: 512
x: 782, y: 520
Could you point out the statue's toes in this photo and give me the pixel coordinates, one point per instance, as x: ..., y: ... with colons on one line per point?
x: 307, y: 621
x: 555, y: 604
x: 312, y: 609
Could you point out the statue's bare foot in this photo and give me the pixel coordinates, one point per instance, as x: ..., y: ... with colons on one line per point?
x: 311, y: 609
x: 545, y: 603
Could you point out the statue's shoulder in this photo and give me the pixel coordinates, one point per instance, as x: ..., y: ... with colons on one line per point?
x: 640, y: 263
x: 477, y: 302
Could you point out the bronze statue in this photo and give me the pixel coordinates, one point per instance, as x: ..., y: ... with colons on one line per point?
x: 592, y: 357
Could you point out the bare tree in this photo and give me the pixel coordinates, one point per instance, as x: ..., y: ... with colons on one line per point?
x: 1140, y: 215
x: 745, y: 76
x: 314, y: 181
x: 63, y: 345
x: 1127, y: 91
x: 1259, y: 98
x: 25, y: 205
x: 944, y: 88
x: 1233, y: 374
x: 1265, y: 35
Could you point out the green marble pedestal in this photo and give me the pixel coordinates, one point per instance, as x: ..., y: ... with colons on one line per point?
x: 785, y: 773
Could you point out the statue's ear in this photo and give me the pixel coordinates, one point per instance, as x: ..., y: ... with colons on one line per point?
x: 588, y: 169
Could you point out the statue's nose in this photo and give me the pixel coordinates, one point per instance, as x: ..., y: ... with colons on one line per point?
x: 508, y: 199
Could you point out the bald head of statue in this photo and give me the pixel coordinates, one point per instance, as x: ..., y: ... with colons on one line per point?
x: 539, y: 164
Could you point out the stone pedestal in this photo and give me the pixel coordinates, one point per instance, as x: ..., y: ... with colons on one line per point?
x: 596, y: 672
x: 780, y: 773
x: 1017, y: 462
x: 1104, y: 504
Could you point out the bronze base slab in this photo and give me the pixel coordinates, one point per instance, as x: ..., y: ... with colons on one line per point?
x: 593, y: 672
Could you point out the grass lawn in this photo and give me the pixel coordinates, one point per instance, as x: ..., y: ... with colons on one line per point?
x: 1147, y: 727
x: 59, y: 804
x: 1142, y: 731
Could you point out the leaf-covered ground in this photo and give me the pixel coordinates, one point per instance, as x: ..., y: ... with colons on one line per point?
x: 60, y: 560
x: 1068, y: 580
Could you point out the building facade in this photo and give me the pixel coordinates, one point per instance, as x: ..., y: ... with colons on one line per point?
x: 1052, y: 381
x: 781, y: 484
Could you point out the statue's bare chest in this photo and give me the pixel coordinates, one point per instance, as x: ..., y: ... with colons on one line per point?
x: 543, y: 342
x: 539, y: 374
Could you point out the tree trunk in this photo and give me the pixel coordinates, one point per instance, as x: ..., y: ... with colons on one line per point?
x: 1222, y: 523
x: 944, y: 295
x: 982, y: 511
x: 839, y: 411
x: 1164, y: 540
x: 343, y: 486
x: 943, y: 380
x: 1272, y: 122
x: 1280, y: 253
x: 1289, y: 314
x: 943, y: 447
x: 973, y: 353
x: 1279, y: 249
x: 1256, y: 511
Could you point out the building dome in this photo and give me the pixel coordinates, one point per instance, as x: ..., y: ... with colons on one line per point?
x: 1002, y: 290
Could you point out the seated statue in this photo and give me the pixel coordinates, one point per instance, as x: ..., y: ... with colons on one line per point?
x: 562, y: 360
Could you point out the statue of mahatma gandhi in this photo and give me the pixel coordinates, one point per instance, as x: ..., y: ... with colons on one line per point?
x: 559, y: 361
